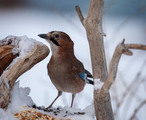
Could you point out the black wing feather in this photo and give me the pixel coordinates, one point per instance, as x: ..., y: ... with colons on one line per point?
x: 88, y: 74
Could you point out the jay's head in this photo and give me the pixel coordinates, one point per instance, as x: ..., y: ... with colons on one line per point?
x: 57, y: 39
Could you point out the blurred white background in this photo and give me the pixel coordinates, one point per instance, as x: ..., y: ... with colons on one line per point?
x: 122, y: 19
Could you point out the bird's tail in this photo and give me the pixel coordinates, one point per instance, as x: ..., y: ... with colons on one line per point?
x: 88, y: 81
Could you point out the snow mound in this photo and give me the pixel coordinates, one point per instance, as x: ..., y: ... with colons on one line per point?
x: 19, y: 98
x: 69, y: 113
x: 22, y: 44
x: 21, y: 101
x: 98, y: 84
x: 6, y: 115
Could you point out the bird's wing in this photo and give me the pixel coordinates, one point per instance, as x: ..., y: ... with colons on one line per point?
x: 78, y: 67
x: 79, y: 70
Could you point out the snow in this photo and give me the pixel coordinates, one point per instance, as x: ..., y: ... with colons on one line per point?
x: 6, y: 115
x: 22, y: 44
x: 98, y: 84
x: 72, y: 113
x: 20, y: 98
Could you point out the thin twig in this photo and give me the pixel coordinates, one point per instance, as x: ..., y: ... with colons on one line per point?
x: 132, y: 96
x: 137, y: 109
x: 80, y: 14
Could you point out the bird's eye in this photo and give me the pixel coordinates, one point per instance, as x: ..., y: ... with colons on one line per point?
x: 57, y: 36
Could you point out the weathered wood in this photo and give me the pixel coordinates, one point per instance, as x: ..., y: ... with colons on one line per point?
x: 93, y: 26
x: 136, y: 46
x: 120, y: 49
x: 21, y: 65
x: 6, y: 57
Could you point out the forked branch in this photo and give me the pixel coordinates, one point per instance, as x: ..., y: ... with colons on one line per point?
x: 120, y: 49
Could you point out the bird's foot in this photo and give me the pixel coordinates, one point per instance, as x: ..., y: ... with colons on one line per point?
x: 49, y: 107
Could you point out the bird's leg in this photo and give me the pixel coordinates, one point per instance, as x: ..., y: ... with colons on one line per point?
x: 59, y: 94
x: 73, y: 96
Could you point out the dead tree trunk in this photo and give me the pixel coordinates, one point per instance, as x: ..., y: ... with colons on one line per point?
x: 10, y: 71
x: 93, y: 26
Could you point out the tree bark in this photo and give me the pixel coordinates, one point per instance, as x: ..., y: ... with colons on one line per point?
x: 14, y: 69
x: 93, y: 26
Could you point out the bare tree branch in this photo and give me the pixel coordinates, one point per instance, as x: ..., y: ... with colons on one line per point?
x: 80, y: 14
x: 120, y: 49
x: 136, y: 46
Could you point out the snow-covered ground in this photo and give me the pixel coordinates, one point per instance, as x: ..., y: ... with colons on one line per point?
x: 32, y: 22
x: 20, y: 100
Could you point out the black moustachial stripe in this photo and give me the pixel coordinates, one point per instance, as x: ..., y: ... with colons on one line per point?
x: 54, y: 41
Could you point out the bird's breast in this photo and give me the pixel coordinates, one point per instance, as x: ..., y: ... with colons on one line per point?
x: 63, y: 78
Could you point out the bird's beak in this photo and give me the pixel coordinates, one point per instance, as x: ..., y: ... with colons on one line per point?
x: 48, y: 37
x: 44, y: 36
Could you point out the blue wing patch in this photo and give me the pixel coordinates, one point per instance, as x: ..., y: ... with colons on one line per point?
x: 83, y: 76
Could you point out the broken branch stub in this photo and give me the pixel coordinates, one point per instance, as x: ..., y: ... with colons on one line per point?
x: 30, y: 53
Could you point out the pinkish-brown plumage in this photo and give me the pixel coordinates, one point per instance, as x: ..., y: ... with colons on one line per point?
x: 64, y: 67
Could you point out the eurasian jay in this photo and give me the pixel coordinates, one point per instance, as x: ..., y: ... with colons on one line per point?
x: 66, y: 72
